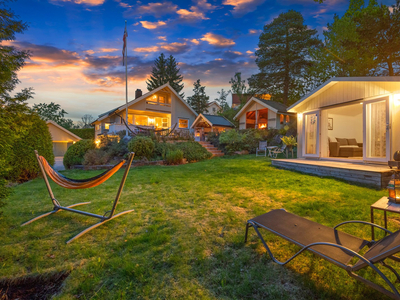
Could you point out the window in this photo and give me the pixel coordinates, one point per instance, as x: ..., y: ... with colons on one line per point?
x: 281, y: 119
x: 141, y: 120
x: 183, y: 123
x: 287, y: 119
x: 130, y: 120
x: 164, y: 122
x: 161, y: 99
x: 214, y: 109
x: 107, y: 126
x: 97, y: 127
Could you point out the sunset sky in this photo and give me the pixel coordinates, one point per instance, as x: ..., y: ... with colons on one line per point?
x: 76, y: 45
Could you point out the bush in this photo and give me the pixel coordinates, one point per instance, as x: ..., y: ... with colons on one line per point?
x: 193, y: 151
x: 232, y: 140
x: 174, y: 157
x: 142, y: 146
x: 96, y: 157
x: 161, y: 149
x: 84, y: 133
x: 24, y: 165
x: 4, y: 193
x: 75, y: 154
x: 213, y: 138
x: 251, y: 139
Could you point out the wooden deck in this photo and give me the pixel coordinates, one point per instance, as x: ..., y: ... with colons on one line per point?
x: 376, y: 176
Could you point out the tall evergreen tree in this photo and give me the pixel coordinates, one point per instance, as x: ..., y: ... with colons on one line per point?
x: 199, y: 100
x: 239, y: 87
x: 165, y: 70
x: 222, y: 99
x: 284, y: 58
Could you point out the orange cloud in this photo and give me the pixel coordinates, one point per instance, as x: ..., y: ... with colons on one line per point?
x: 87, y: 2
x: 108, y: 49
x: 249, y: 52
x: 217, y: 40
x: 152, y: 25
x: 243, y: 6
x: 194, y: 41
x: 175, y: 47
x: 254, y: 31
x: 146, y: 49
x: 193, y: 15
x: 163, y: 38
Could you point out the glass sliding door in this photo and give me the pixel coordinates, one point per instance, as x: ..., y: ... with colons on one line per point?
x: 311, y: 134
x: 376, y: 124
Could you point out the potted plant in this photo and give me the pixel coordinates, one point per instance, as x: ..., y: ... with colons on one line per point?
x: 290, y: 142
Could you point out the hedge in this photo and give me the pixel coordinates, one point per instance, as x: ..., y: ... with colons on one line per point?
x: 76, y: 153
x: 84, y: 133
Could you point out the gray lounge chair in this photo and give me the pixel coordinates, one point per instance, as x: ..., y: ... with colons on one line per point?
x: 335, y: 246
x: 262, y: 147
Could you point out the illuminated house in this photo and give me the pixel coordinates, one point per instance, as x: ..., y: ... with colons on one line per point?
x: 261, y: 114
x: 61, y: 137
x: 161, y: 108
x: 350, y: 119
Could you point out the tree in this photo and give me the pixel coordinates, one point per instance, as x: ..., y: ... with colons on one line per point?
x: 222, y: 99
x: 239, y: 87
x: 165, y: 71
x: 87, y: 120
x: 53, y: 112
x: 199, y: 100
x: 284, y: 58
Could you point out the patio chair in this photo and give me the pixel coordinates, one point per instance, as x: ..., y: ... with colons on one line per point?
x: 69, y: 183
x: 335, y: 246
x: 262, y: 147
x: 278, y: 150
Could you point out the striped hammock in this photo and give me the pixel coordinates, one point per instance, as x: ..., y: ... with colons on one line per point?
x: 78, y: 183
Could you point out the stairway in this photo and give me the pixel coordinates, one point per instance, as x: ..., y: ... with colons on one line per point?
x: 210, y: 148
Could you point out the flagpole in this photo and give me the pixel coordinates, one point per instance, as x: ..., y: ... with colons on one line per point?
x: 126, y: 84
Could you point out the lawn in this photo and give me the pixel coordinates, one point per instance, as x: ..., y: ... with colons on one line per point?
x: 185, y: 239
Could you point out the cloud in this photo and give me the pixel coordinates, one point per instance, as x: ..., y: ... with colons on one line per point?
x: 152, y: 25
x: 232, y: 54
x: 241, y: 7
x: 194, y: 41
x: 175, y: 48
x: 217, y: 40
x: 163, y: 38
x: 146, y: 49
x: 154, y: 9
x: 86, y: 2
x: 191, y: 15
x: 254, y: 31
x: 108, y: 49
x: 249, y: 52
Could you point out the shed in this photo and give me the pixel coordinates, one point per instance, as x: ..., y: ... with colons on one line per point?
x: 61, y: 137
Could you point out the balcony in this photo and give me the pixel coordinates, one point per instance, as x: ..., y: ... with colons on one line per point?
x: 158, y: 106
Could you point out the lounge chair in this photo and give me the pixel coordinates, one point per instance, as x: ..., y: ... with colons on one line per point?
x: 335, y: 246
x: 262, y: 147
x: 69, y: 183
x: 278, y: 150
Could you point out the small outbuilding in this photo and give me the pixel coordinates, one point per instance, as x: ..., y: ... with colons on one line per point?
x: 62, y: 138
x: 263, y: 114
x: 209, y: 123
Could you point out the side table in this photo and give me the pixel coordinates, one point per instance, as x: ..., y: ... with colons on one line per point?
x: 386, y: 206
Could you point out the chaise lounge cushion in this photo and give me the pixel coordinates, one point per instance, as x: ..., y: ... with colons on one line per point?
x: 352, y: 142
x: 342, y: 142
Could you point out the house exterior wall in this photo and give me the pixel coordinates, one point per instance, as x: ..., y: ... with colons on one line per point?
x: 58, y: 135
x: 210, y: 109
x: 175, y: 110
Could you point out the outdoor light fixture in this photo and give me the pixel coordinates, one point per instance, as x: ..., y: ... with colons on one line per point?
x: 97, y: 142
x: 396, y: 98
x: 299, y: 116
x: 394, y: 183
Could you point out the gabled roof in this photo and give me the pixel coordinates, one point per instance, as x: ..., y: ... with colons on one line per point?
x: 213, y: 120
x: 63, y: 129
x: 275, y: 106
x: 144, y: 96
x: 214, y: 102
x: 328, y: 84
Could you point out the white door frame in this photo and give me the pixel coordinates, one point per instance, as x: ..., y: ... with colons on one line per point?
x: 388, y: 130
x: 317, y: 154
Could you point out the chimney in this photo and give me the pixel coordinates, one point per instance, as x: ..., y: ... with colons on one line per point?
x: 138, y: 93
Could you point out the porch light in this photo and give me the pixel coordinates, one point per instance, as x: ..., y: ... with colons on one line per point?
x: 396, y: 98
x: 300, y: 116
x: 97, y: 142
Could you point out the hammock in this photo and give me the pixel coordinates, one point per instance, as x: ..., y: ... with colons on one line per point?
x: 69, y: 183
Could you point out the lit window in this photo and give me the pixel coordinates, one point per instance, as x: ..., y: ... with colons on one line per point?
x: 281, y: 119
x: 151, y: 121
x: 164, y: 122
x: 141, y: 120
x: 107, y: 126
x: 97, y: 127
x: 287, y: 119
x: 130, y: 119
x: 183, y: 123
x: 161, y: 99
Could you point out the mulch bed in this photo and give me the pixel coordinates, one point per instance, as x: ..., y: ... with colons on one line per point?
x: 32, y: 287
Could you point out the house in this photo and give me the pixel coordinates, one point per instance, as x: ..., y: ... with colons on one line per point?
x: 261, y: 113
x: 213, y: 108
x: 350, y: 118
x: 236, y: 98
x: 61, y: 137
x: 349, y: 128
x: 209, y: 123
x: 162, y: 108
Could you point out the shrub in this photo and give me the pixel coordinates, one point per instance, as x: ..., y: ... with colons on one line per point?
x: 174, y: 157
x: 193, y: 151
x: 232, y: 140
x: 75, y: 154
x: 84, y: 133
x: 96, y: 157
x: 162, y: 148
x: 213, y: 138
x: 251, y: 139
x: 142, y: 146
x: 4, y: 193
x: 24, y: 165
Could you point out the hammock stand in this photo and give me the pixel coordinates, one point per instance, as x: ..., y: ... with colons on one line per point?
x: 81, y: 184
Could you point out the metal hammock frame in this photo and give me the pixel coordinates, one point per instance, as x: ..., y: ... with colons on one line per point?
x: 107, y: 216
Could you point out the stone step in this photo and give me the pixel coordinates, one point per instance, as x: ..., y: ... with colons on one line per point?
x: 210, y: 148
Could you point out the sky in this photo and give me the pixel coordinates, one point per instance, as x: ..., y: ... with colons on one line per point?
x: 76, y: 45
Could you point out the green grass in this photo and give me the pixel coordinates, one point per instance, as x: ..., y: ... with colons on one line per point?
x: 185, y: 238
